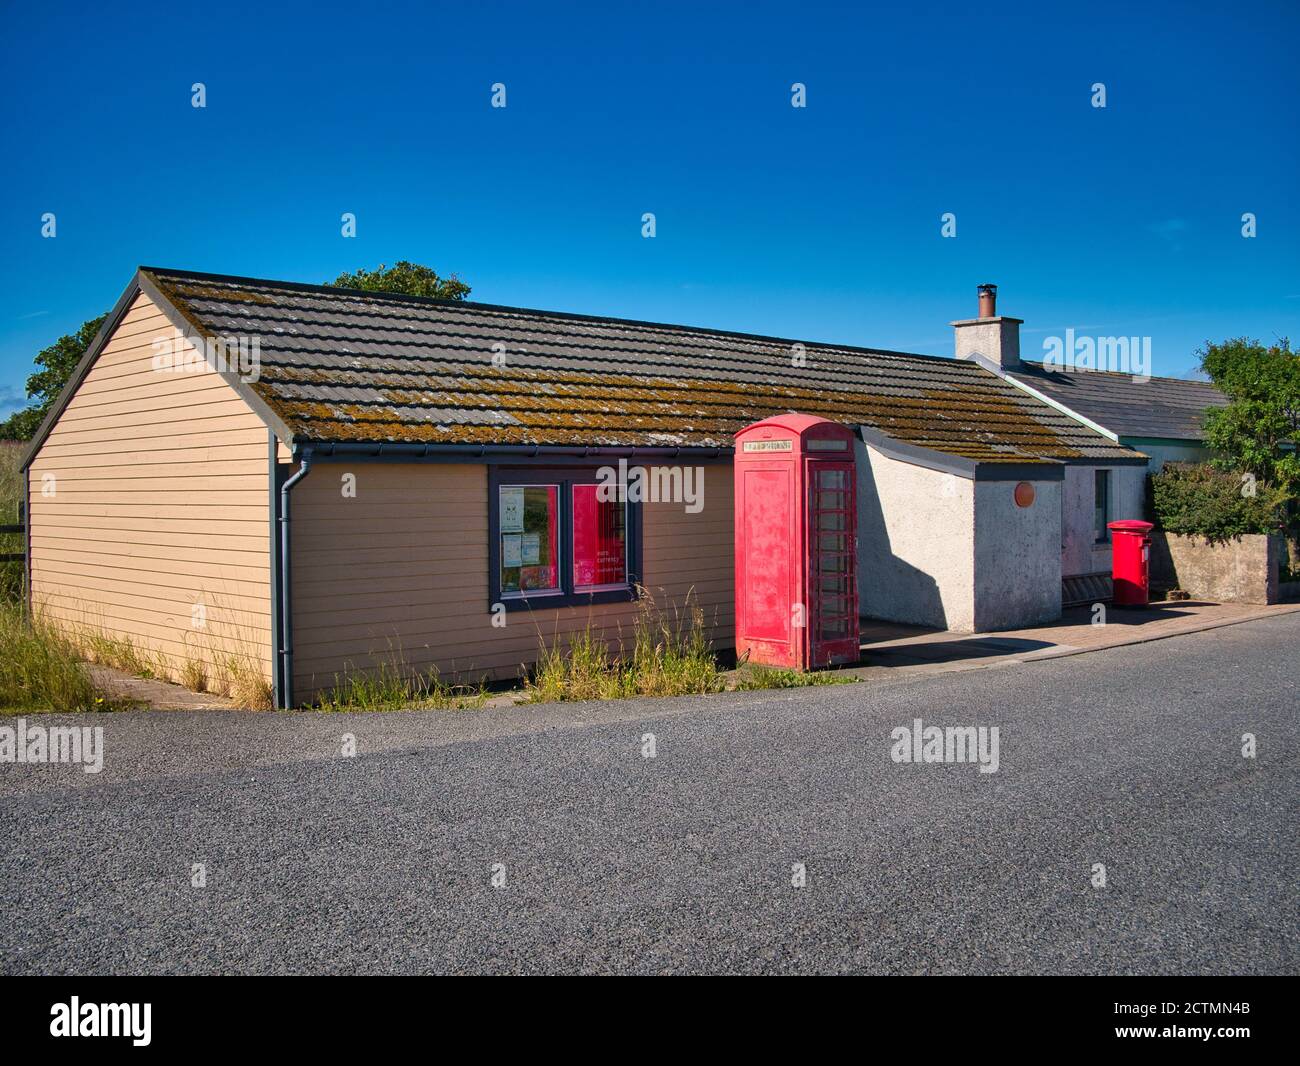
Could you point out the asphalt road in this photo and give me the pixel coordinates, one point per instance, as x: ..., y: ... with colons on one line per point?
x: 613, y: 862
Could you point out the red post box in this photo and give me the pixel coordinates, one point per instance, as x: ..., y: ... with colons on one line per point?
x: 796, y: 543
x: 1130, y: 558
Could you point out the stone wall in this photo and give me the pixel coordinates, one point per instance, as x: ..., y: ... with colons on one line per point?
x: 1242, y: 570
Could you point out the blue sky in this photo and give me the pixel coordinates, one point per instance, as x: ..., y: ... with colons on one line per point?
x: 820, y: 223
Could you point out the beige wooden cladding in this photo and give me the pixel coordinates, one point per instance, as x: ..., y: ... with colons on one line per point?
x: 403, y: 566
x: 159, y: 503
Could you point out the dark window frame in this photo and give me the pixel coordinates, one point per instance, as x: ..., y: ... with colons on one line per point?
x: 1101, y: 478
x: 565, y: 477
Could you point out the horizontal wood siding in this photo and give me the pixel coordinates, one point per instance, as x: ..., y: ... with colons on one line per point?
x: 159, y: 502
x: 403, y: 567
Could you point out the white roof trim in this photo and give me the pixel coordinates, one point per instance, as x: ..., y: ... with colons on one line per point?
x: 993, y: 368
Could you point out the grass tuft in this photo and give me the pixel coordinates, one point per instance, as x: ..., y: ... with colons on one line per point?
x: 754, y: 677
x: 580, y: 670
x: 194, y: 675
x: 40, y: 669
x: 670, y: 656
x: 394, y: 685
x: 120, y: 652
x: 226, y: 662
x: 241, y: 679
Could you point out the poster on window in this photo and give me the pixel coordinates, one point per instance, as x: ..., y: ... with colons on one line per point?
x: 599, y: 539
x: 532, y: 549
x: 529, y: 528
x: 512, y: 510
x: 511, y: 550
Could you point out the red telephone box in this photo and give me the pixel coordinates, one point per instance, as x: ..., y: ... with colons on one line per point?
x: 796, y: 543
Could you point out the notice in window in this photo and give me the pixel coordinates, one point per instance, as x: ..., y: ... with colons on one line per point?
x: 529, y: 533
x: 512, y: 510
x: 511, y: 550
x: 532, y: 549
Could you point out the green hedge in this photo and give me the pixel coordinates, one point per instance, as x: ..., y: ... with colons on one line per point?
x: 1196, y: 498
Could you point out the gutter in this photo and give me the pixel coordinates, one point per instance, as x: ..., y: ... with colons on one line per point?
x: 406, y: 452
x: 284, y: 619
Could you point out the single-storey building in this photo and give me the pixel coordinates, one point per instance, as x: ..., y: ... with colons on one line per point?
x: 1160, y: 418
x: 313, y: 478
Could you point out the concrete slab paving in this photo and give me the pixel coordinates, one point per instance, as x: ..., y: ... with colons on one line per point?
x: 151, y: 693
x: 891, y: 647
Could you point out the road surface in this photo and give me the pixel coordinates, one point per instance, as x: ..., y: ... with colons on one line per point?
x: 544, y: 840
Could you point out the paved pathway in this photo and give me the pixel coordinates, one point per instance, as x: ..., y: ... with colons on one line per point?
x: 154, y: 694
x: 913, y: 649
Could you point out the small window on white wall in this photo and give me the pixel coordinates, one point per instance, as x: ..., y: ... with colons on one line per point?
x: 1101, y: 505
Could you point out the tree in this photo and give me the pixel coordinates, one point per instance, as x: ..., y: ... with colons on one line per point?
x: 1259, y: 429
x: 405, y: 277
x: 56, y: 363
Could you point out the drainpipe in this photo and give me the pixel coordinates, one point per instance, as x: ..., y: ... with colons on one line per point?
x: 273, y: 546
x: 285, y: 664
x: 25, y: 518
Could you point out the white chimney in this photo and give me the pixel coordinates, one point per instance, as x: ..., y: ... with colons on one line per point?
x: 993, y: 336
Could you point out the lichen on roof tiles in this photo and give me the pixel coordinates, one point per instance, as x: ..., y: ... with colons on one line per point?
x: 341, y: 365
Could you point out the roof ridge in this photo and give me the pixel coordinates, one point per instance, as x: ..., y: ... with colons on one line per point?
x: 472, y: 305
x: 1120, y: 374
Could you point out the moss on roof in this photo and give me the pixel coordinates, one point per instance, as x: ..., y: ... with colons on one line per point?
x: 338, y: 365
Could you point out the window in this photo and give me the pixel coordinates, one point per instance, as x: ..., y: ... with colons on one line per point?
x: 599, y: 540
x: 1101, y: 505
x: 555, y: 540
x: 530, y: 532
x: 833, y: 563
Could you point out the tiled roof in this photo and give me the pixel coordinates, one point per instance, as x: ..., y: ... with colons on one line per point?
x: 341, y: 365
x: 1156, y: 407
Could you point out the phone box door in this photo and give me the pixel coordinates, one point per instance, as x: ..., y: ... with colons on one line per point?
x: 832, y: 563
